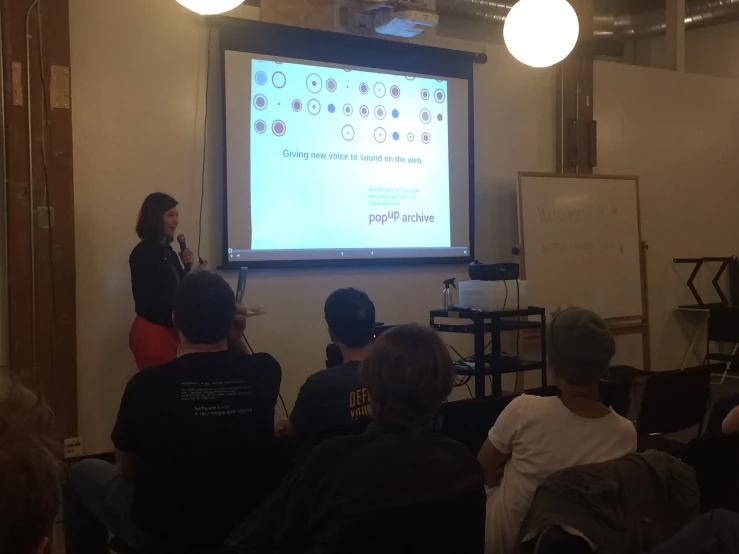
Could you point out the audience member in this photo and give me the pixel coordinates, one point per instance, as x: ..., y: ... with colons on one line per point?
x: 398, y: 487
x: 730, y: 424
x: 193, y: 437
x: 30, y: 471
x: 333, y: 402
x: 536, y: 436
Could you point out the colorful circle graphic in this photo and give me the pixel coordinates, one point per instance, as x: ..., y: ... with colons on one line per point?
x: 425, y: 94
x: 411, y: 137
x: 278, y: 128
x: 395, y: 91
x: 330, y: 85
x: 380, y: 135
x: 260, y: 77
x: 297, y: 105
x: 314, y: 83
x: 331, y: 108
x: 396, y: 136
x: 425, y: 116
x: 379, y: 90
x: 396, y: 114
x: 348, y: 110
x: 347, y: 132
x: 439, y: 96
x: 260, y: 126
x: 278, y: 79
x: 380, y: 112
x: 364, y: 88
x: 440, y: 117
x: 426, y: 138
x: 260, y: 101
x: 364, y: 111
x: 314, y: 106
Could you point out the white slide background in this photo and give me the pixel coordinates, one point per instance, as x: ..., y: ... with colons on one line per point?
x: 313, y: 129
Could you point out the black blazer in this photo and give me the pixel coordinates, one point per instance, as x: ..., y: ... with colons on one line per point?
x: 155, y: 274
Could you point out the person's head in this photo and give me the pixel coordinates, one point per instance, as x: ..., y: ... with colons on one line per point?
x: 30, y: 471
x: 350, y: 316
x: 580, y: 346
x: 204, y: 308
x: 408, y: 373
x: 158, y: 217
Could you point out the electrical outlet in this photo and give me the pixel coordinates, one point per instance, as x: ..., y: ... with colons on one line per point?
x: 73, y: 448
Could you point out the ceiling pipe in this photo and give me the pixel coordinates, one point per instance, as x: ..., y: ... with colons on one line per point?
x: 698, y: 13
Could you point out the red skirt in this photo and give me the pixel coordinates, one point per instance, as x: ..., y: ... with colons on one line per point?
x: 152, y: 344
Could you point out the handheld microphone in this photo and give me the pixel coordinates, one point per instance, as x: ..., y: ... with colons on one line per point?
x: 182, y: 241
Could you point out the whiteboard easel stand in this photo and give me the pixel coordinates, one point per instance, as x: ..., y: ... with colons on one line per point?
x: 619, y: 326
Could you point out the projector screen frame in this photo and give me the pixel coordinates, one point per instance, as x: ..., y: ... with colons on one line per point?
x: 255, y: 37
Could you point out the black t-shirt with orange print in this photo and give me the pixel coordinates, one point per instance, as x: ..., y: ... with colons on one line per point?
x: 331, y: 403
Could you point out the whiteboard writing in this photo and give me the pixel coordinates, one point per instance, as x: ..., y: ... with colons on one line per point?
x: 581, y: 243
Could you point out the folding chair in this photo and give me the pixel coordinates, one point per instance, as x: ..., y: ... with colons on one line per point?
x: 723, y: 327
x: 672, y: 401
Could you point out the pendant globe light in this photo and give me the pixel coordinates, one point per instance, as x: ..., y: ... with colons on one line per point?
x: 541, y: 33
x: 210, y: 7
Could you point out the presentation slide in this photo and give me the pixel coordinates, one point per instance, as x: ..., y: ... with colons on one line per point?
x: 327, y: 162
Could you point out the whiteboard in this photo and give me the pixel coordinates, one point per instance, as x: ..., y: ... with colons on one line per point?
x: 581, y: 243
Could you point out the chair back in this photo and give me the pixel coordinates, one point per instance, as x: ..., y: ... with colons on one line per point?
x: 715, y: 460
x: 723, y: 324
x: 673, y: 401
x: 469, y: 421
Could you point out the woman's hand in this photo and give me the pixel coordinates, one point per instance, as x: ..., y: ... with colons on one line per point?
x: 187, y: 257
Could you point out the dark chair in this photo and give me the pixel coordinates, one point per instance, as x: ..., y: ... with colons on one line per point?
x: 723, y: 327
x: 616, y: 395
x: 672, y: 401
x: 715, y: 459
x: 469, y: 421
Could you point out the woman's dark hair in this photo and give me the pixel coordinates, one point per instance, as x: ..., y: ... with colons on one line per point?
x: 149, y: 225
x: 408, y: 374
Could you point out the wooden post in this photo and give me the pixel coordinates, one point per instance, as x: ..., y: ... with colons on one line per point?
x: 47, y: 358
x: 575, y: 128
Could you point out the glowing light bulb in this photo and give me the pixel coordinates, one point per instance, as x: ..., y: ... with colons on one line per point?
x: 541, y: 33
x: 210, y: 7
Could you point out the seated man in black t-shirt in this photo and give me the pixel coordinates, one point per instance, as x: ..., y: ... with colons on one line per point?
x: 333, y: 402
x: 398, y: 487
x: 194, y: 437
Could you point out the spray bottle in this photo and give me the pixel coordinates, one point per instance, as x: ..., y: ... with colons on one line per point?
x: 447, y: 296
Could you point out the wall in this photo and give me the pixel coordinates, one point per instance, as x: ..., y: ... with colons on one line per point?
x: 680, y: 134
x: 138, y: 92
x: 710, y: 51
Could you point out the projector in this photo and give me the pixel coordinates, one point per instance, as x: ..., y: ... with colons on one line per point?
x: 404, y: 20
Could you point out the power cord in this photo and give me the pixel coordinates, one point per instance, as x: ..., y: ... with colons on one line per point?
x: 279, y: 394
x: 205, y: 141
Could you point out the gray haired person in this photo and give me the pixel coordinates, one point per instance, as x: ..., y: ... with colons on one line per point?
x: 536, y: 436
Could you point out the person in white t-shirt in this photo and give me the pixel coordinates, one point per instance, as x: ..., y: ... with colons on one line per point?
x: 536, y: 436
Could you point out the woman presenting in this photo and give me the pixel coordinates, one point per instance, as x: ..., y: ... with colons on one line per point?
x: 155, y: 273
